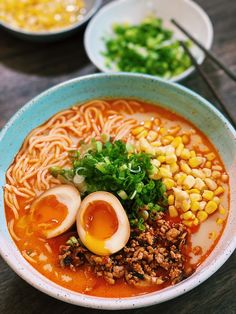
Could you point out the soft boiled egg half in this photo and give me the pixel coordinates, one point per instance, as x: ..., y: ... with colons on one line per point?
x: 54, y: 211
x: 102, y: 223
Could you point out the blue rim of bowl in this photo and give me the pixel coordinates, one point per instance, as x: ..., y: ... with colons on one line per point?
x: 85, y: 19
x: 149, y: 299
x: 177, y: 78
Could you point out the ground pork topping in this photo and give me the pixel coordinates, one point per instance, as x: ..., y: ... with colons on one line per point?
x: 153, y: 256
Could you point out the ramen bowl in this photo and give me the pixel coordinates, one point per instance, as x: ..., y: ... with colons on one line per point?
x: 168, y: 95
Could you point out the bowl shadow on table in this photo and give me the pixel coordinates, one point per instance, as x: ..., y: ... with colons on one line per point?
x: 44, y: 59
x: 213, y: 292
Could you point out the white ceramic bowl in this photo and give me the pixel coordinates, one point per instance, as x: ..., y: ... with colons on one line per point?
x: 172, y: 96
x: 186, y: 12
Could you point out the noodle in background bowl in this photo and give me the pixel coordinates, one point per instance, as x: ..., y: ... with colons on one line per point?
x: 169, y: 95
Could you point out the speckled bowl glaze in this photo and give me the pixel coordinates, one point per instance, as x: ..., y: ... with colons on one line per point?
x: 169, y: 95
x: 91, y: 7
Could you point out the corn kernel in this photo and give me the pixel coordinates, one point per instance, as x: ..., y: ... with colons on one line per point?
x: 169, y: 183
x: 192, y: 153
x: 169, y: 150
x: 162, y: 131
x: 166, y: 166
x: 155, y: 163
x: 202, y: 205
x: 187, y: 223
x: 167, y: 139
x: 212, y: 235
x: 185, y: 167
x: 219, y: 221
x: 211, y: 184
x: 216, y: 174
x: 216, y: 199
x: 185, y: 154
x: 189, y: 182
x: 198, y: 173
x: 207, y: 172
x: 208, y: 195
x: 224, y: 178
x: 222, y: 210
x: 217, y: 168
x: 208, y: 164
x: 147, y: 124
x: 176, y: 141
x: 219, y: 190
x: 157, y: 121
x: 195, y: 197
x: 171, y: 199
x: 185, y: 205
x: 152, y: 136
x: 181, y: 178
x: 202, y: 216
x: 161, y: 158
x: 194, y: 206
x: 194, y: 191
x: 165, y: 173
x: 199, y: 184
x: 180, y: 195
x: 170, y: 159
x: 137, y: 130
x: 144, y: 133
x: 196, y: 222
x: 174, y: 167
x: 188, y: 215
x: 210, y: 156
x: 173, y: 211
x: 174, y: 130
x: 211, y: 207
x: 145, y: 146
x: 195, y: 162
x: 203, y: 149
x: 156, y: 144
x: 179, y: 149
x: 185, y: 139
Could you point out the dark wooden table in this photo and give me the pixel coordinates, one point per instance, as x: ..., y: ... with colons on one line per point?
x: 26, y: 69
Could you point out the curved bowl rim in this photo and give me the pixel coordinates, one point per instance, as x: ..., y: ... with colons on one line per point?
x: 62, y: 31
x: 69, y: 296
x: 177, y: 78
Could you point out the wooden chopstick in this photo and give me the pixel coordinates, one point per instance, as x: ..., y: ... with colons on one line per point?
x: 207, y: 52
x: 208, y: 83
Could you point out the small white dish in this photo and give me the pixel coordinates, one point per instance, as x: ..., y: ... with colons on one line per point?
x: 190, y: 15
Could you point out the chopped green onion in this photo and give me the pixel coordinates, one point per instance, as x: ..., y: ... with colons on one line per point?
x: 147, y: 47
x: 72, y: 241
x: 99, y: 146
x: 122, y: 194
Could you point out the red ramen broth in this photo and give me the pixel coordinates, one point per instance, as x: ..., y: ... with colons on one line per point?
x: 128, y: 120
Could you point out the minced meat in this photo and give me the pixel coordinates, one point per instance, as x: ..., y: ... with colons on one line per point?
x: 153, y: 256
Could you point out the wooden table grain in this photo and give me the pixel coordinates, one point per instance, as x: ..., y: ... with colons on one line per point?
x: 26, y: 69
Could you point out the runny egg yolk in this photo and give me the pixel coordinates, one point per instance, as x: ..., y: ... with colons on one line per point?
x: 100, y: 220
x: 48, y: 213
